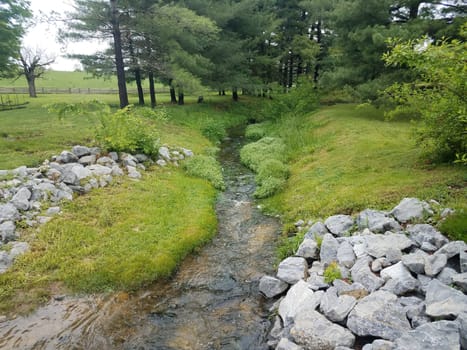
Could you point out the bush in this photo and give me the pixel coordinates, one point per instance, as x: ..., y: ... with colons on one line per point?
x: 253, y: 154
x: 455, y: 226
x: 205, y: 167
x: 271, y: 177
x: 126, y: 131
x: 213, y: 130
x: 255, y: 132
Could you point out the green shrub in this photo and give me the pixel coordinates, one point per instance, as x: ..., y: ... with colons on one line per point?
x: 332, y: 272
x: 255, y: 132
x: 126, y: 131
x: 213, y: 130
x: 253, y: 154
x: 271, y: 177
x: 205, y: 167
x: 455, y: 226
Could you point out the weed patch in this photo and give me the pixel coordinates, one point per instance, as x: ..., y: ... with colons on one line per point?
x: 205, y: 167
x: 455, y: 226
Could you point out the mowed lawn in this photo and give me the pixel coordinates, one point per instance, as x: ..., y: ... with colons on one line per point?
x: 344, y: 159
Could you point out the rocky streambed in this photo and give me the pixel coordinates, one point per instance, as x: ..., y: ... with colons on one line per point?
x: 373, y: 282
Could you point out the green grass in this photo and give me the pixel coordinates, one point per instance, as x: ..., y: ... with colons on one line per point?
x: 65, y: 80
x: 344, y: 159
x: 118, y: 238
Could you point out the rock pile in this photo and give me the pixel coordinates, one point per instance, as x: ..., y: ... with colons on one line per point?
x: 25, y: 191
x: 401, y: 286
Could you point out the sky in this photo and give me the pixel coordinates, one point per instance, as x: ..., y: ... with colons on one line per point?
x: 43, y: 36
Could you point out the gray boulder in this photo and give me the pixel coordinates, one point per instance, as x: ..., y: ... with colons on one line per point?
x: 415, y: 262
x: 308, y: 249
x: 18, y: 248
x: 462, y: 321
x: 165, y: 153
x: 106, y: 161
x: 424, y: 233
x: 345, y: 255
x: 161, y: 163
x: 339, y: 225
x: 376, y: 221
x: 443, y: 301
x: 67, y: 157
x: 452, y: 249
x: 133, y: 173
x: 460, y: 280
x: 70, y: 178
x: 99, y: 170
x: 362, y: 274
x: 271, y: 286
x: 336, y: 308
x: 292, y: 270
x: 5, y: 261
x: 329, y: 247
x: 411, y: 208
x: 446, y: 275
x: 399, y: 280
x: 88, y: 160
x: 317, y: 230
x: 80, y: 151
x: 380, y: 245
x: 316, y: 282
x: 462, y: 257
x: 378, y: 315
x: 8, y: 212
x: 113, y: 156
x: 7, y: 231
x: 81, y: 172
x: 299, y: 298
x: 315, y: 332
x: 187, y: 152
x: 434, y: 264
x: 431, y: 336
x: 141, y: 158
x: 379, y: 344
x: 286, y: 344
x: 21, y: 199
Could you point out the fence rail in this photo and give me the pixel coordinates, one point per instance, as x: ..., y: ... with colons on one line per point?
x: 87, y: 91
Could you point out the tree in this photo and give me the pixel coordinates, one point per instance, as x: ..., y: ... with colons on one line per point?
x: 33, y: 64
x: 438, y: 95
x: 13, y: 15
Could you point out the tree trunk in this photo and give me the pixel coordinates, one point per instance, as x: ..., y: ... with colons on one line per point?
x: 181, y: 98
x: 319, y: 39
x: 119, y: 64
x: 139, y: 86
x: 173, y: 97
x: 235, y: 94
x: 31, y: 86
x: 152, y: 90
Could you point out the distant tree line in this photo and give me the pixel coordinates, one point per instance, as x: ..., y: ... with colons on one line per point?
x: 248, y: 45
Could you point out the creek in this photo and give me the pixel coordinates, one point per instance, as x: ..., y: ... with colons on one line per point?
x: 212, y: 302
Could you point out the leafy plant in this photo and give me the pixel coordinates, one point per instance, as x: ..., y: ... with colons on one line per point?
x: 205, y: 167
x: 214, y: 130
x: 438, y: 95
x: 332, y: 272
x: 253, y: 154
x: 255, y: 131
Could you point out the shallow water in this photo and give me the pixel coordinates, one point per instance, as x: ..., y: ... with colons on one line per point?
x: 212, y: 302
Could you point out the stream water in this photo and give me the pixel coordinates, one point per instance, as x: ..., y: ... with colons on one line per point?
x: 212, y: 302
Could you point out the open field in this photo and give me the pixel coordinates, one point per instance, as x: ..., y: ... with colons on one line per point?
x: 65, y: 80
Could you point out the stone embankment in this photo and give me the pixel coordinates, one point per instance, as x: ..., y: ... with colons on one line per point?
x: 32, y: 196
x: 402, y: 286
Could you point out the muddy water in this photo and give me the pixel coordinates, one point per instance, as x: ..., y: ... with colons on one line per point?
x: 211, y: 303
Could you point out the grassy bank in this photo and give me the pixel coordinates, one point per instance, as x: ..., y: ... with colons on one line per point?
x: 343, y: 159
x: 121, y: 237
